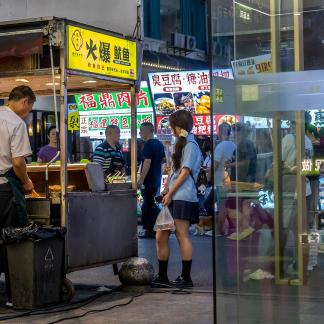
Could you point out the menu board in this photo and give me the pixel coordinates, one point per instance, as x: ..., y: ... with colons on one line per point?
x: 95, y: 125
x: 190, y: 90
x: 98, y: 110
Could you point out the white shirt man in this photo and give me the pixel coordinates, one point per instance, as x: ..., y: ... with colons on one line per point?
x: 14, y: 147
x: 14, y: 140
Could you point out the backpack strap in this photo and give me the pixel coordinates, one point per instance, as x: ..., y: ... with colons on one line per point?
x: 193, y: 179
x: 191, y: 175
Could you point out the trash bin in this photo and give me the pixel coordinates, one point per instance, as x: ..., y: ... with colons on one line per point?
x: 36, y: 268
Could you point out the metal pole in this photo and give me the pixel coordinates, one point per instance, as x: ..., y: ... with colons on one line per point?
x: 276, y: 146
x: 300, y: 150
x: 134, y: 139
x: 63, y: 132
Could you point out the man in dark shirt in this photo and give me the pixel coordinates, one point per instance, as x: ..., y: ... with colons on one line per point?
x: 244, y: 169
x: 153, y: 157
x: 108, y: 154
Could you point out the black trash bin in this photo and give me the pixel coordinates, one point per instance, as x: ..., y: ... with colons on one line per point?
x: 36, y: 268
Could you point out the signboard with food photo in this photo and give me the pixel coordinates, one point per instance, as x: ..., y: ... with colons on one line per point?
x: 188, y: 90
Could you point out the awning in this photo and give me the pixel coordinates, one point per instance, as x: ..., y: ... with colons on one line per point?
x: 154, y: 61
x: 21, y: 45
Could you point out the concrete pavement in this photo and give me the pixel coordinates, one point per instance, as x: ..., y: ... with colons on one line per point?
x: 145, y: 305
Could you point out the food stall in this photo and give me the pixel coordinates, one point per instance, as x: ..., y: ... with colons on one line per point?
x: 58, y: 57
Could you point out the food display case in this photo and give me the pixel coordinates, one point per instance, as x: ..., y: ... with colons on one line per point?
x: 69, y: 58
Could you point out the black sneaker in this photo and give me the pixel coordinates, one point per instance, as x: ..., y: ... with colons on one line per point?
x: 151, y: 234
x: 160, y: 282
x: 181, y: 282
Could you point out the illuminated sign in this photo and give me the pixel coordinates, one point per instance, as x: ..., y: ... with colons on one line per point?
x: 310, y: 165
x: 189, y: 90
x: 90, y: 51
x: 253, y: 65
x: 98, y: 110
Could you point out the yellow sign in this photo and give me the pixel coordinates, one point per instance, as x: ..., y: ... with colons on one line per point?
x: 74, y: 121
x: 94, y: 52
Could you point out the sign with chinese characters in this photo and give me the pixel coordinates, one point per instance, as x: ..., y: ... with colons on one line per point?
x: 95, y: 126
x: 90, y: 51
x: 202, y: 124
x: 319, y: 118
x: 260, y: 122
x: 74, y: 121
x: 73, y: 117
x: 112, y: 108
x: 113, y: 102
x: 310, y: 165
x: 253, y: 65
x: 189, y: 90
x: 243, y: 12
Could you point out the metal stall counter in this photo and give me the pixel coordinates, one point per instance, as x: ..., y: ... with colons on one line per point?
x: 100, y: 217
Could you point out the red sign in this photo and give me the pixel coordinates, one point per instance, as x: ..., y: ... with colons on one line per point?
x: 202, y: 124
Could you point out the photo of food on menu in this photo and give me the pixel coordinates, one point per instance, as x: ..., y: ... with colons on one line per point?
x: 197, y: 103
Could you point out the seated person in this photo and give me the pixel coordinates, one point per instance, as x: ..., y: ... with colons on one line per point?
x: 48, y: 152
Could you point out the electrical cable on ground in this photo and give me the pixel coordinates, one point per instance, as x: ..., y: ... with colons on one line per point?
x: 97, y: 310
x: 62, y: 307
x: 81, y: 303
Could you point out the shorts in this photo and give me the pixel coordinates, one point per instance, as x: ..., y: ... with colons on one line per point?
x: 185, y: 210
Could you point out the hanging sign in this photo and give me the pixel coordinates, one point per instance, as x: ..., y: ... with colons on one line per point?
x: 90, y: 51
x: 98, y: 110
x: 95, y: 126
x: 113, y: 102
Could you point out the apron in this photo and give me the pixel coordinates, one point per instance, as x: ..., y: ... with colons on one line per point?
x: 19, y: 197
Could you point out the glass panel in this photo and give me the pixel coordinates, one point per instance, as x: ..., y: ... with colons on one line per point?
x: 268, y: 151
x: 170, y: 18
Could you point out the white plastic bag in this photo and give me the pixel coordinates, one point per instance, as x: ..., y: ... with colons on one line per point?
x: 164, y: 221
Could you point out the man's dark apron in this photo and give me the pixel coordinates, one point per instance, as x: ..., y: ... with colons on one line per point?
x: 19, y: 197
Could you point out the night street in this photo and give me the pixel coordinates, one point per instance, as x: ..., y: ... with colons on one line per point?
x: 150, y: 307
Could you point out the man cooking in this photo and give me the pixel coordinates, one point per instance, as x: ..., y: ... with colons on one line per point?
x: 14, y: 147
x: 108, y: 154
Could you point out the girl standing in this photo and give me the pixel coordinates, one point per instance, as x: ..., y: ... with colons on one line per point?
x: 180, y: 197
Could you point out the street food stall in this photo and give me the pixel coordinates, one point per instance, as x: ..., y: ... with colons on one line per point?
x: 58, y: 57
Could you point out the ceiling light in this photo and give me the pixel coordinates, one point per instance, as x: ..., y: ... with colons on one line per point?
x: 22, y: 80
x: 89, y: 81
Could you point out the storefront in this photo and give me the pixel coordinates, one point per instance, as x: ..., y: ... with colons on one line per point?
x: 267, y: 251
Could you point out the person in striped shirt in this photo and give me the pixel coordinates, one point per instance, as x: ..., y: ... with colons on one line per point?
x: 108, y: 153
